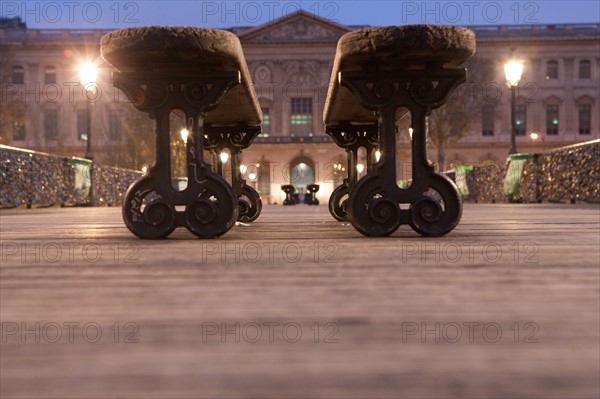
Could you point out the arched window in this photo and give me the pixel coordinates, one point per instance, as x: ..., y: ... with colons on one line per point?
x: 585, y: 118
x: 51, y: 123
x: 18, y: 74
x: 552, y: 70
x: 301, y: 172
x: 50, y: 74
x: 585, y: 69
x: 487, y: 120
x: 19, y: 122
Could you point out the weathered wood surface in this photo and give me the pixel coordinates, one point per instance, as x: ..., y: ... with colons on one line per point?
x: 372, y: 291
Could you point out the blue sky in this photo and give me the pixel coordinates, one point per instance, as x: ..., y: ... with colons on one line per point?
x: 107, y: 14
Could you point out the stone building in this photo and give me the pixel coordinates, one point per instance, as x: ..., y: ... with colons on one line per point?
x: 290, y: 60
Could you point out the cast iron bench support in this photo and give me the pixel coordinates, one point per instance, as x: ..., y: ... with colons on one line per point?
x: 202, y: 73
x: 235, y: 139
x: 310, y: 198
x: 374, y: 202
x: 351, y: 138
x: 150, y: 205
x: 377, y: 73
x: 289, y: 190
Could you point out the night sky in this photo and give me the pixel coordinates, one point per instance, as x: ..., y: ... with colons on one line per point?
x: 109, y: 14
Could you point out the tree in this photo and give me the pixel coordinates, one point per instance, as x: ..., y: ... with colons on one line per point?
x: 449, y: 123
x: 135, y: 146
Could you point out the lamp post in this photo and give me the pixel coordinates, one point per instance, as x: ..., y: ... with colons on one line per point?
x: 513, y: 70
x: 87, y: 77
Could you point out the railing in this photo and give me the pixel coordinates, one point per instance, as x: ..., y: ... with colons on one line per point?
x: 566, y: 174
x: 29, y: 178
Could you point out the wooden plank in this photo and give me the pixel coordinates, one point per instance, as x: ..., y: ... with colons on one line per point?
x: 368, y: 294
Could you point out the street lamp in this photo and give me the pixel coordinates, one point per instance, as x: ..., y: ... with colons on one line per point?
x: 87, y: 77
x: 513, y: 70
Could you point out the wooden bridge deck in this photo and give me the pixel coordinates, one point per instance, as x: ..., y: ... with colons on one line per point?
x: 298, y: 305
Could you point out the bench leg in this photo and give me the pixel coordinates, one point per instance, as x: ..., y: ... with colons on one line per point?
x: 249, y: 201
x: 433, y: 203
x: 337, y: 203
x: 351, y: 138
x: 151, y: 205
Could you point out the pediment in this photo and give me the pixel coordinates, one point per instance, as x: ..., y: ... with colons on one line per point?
x: 297, y: 27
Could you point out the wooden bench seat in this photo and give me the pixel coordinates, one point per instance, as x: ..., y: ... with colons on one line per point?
x: 203, y: 73
x: 181, y: 50
x: 391, y: 48
x: 378, y: 74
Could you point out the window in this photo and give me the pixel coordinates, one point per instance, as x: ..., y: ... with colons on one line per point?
x: 487, y: 120
x: 301, y: 118
x: 552, y: 70
x: 50, y: 74
x: 585, y: 69
x: 266, y: 124
x: 18, y: 74
x: 520, y: 119
x: 114, y: 126
x: 51, y: 124
x: 82, y: 124
x: 264, y: 180
x: 552, y: 119
x: 19, y: 126
x: 585, y: 119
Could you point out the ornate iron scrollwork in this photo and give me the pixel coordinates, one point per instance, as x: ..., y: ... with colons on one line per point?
x: 210, y: 203
x: 373, y: 203
x: 234, y: 139
x: 351, y: 137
